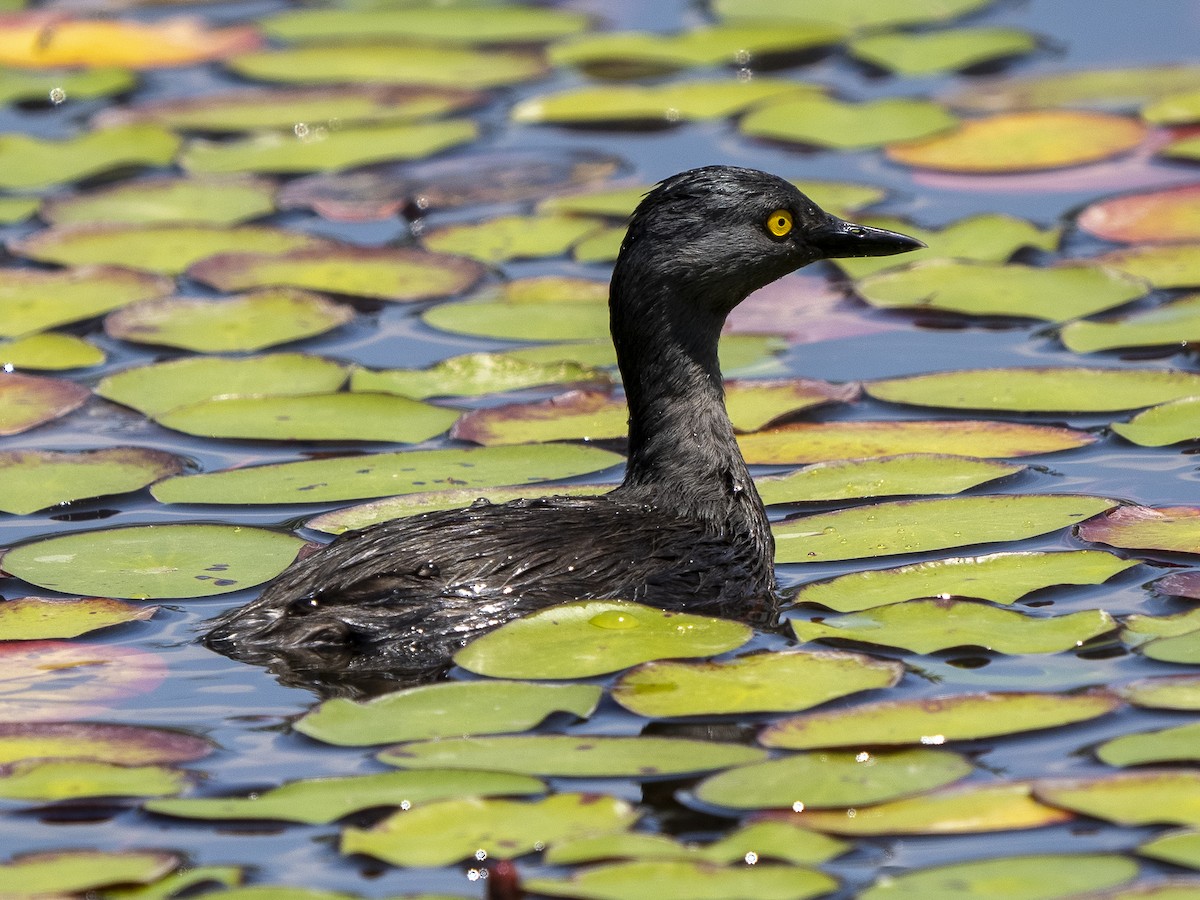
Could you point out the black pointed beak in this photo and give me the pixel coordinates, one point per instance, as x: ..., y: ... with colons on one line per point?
x: 843, y: 240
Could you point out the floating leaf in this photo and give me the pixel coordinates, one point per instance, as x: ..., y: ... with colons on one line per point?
x: 154, y: 561
x: 36, y: 618
x: 1039, y: 389
x: 58, y: 872
x: 1155, y: 217
x: 1170, y: 324
x: 918, y: 526
x: 132, y: 745
x: 321, y: 150
x: 927, y: 626
x: 167, y: 248
x: 384, y: 474
x: 849, y: 16
x: 35, y: 479
x: 1179, y: 584
x: 1178, y: 744
x: 79, y: 779
x: 573, y: 756
x: 249, y: 322
x: 1179, y: 847
x: 998, y: 577
x: 319, y: 801
x: 446, y: 25
x: 448, y: 709
x: 30, y: 163
x: 1023, y: 142
x: 1174, y: 529
x: 53, y: 352
x: 32, y: 300
x: 810, y: 442
x: 180, y: 880
x: 552, y: 321
x: 391, y: 63
x: 1167, y: 797
x: 401, y: 274
x: 17, y: 209
x: 1056, y: 294
x: 1111, y: 88
x: 473, y: 375
x: 511, y: 237
x: 1044, y: 877
x: 17, y: 86
x: 1185, y: 148
x: 696, y: 880
x: 736, y: 351
x: 826, y: 122
x: 1164, y: 692
x: 213, y: 201
x: 27, y: 401
x: 441, y: 833
x: 1181, y: 108
x: 1162, y: 425
x: 949, y: 50
x: 936, y: 720
x: 762, y: 682
x: 823, y: 780
x: 1163, y: 266
x: 592, y: 637
x: 1183, y: 648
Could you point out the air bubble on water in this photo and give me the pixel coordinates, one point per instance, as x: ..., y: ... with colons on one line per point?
x: 57, y: 95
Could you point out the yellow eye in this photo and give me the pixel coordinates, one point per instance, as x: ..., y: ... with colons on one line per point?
x: 779, y: 223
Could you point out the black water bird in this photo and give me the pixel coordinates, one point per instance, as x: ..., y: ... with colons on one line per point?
x: 684, y: 530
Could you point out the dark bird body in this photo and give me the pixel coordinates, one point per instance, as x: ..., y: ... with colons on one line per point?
x: 685, y: 529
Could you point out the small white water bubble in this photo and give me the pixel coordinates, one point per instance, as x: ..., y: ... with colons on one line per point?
x: 57, y: 95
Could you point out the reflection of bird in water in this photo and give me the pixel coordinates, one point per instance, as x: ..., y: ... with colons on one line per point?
x: 686, y: 528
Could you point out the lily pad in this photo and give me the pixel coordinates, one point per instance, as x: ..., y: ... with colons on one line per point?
x: 17, y: 209
x: 511, y: 237
x: 154, y: 561
x: 1187, y: 148
x: 1173, y: 323
x: 212, y: 201
x: 869, y: 14
x: 1023, y: 142
x: 17, y: 86
x: 824, y: 780
x: 1164, y: 692
x: 936, y: 720
x: 323, y: 150
x: 473, y: 375
x: 249, y: 322
x: 592, y: 637
x: 1166, y: 797
x: 811, y: 442
x: 697, y: 880
x: 132, y: 745
x: 58, y: 872
x: 32, y: 300
x: 1178, y: 744
x: 573, y: 756
x: 1156, y: 217
x: 1162, y: 425
x: 448, y: 709
x: 400, y: 274
x: 550, y: 321
x: 1175, y: 529
x: 319, y: 801
x: 998, y: 577
x: 30, y: 163
x: 825, y: 122
x: 1056, y: 294
x: 949, y: 50
x: 1163, y: 266
x: 439, y: 25
x: 1182, y: 108
x: 50, y: 352
x: 1179, y: 847
x: 208, y: 876
x: 737, y: 352
x: 1182, y: 648
x: 36, y: 618
x: 384, y: 474
x: 1179, y: 584
x: 27, y: 401
x: 444, y: 832
x: 927, y: 626
x: 76, y: 779
x: 762, y: 682
x: 1042, y: 877
x: 166, y: 248
x: 918, y: 526
x: 1039, y: 389
x: 1115, y: 88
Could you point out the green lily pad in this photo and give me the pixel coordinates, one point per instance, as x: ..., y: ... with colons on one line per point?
x: 154, y: 561
x: 326, y: 150
x: 1043, y: 877
x: 385, y: 273
x: 573, y: 756
x: 384, y: 474
x: 444, y: 832
x: 832, y: 780
x: 1187, y: 148
x: 1159, y: 426
x: 510, y: 237
x: 166, y: 248
x: 36, y: 618
x: 761, y: 682
x: 1179, y: 847
x: 1182, y: 108
x: 811, y: 442
x: 592, y: 637
x: 825, y: 122
x: 1023, y: 142
x: 180, y: 880
x: 1141, y: 628
x: 473, y: 375
x: 27, y: 401
x: 649, y: 879
x: 32, y: 300
x: 918, y: 526
x: 927, y: 626
x: 440, y: 25
x: 1154, y: 217
x: 1174, y: 529
x: 949, y: 50
x: 998, y: 577
x: 18, y: 85
x: 319, y: 801
x: 1178, y: 744
x: 1163, y: 266
x: 390, y: 63
x: 30, y: 163
x: 249, y: 322
x: 58, y: 872
x: 312, y: 417
x: 1110, y: 88
x: 1164, y: 692
x: 1172, y: 323
x: 448, y: 709
x: 1055, y: 294
x: 17, y: 209
x: 935, y: 720
x: 212, y: 201
x: 1182, y: 648
x: 161, y: 387
x: 78, y: 779
x: 131, y: 745
x: 551, y: 321
x: 50, y: 352
x: 670, y: 103
x: 962, y: 809
x: 869, y: 14
x: 1039, y: 389
x: 1165, y: 797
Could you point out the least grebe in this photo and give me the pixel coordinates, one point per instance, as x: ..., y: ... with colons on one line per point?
x: 684, y: 530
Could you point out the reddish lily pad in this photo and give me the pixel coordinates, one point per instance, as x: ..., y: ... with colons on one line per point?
x: 1167, y: 797
x: 642, y: 880
x: 1170, y: 324
x: 438, y: 25
x: 214, y: 201
x: 50, y: 352
x: 1175, y: 529
x: 30, y: 163
x: 133, y: 745
x: 1162, y: 425
x: 825, y: 122
x: 474, y: 374
x: 1111, y: 88
x: 57, y: 873
x: 1023, y: 142
x: 76, y: 779
x: 1163, y: 266
x: 37, y: 619
x: 35, y: 479
x: 1045, y: 877
x: 948, y: 50
x: 856, y: 16
x: 27, y: 401
x: 32, y: 300
x: 511, y: 237
x: 1155, y: 217
x: 1179, y: 584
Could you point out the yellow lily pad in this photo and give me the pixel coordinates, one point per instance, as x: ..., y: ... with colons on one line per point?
x: 37, y: 619
x: 50, y: 351
x: 474, y: 374
x: 1117, y: 88
x: 511, y: 237
x: 213, y: 201
x: 1167, y: 797
x: 32, y: 300
x: 27, y: 401
x: 658, y: 878
x: 1163, y: 266
x: 1046, y: 877
x: 515, y: 24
